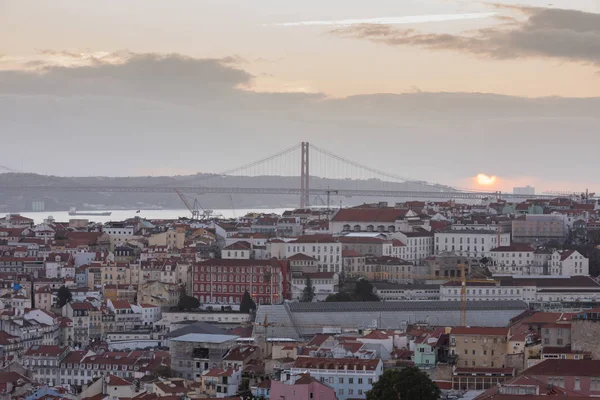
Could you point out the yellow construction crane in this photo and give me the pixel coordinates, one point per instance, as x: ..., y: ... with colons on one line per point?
x: 463, y: 287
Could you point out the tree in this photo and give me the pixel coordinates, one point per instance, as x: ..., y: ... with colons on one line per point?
x: 405, y: 384
x: 64, y: 296
x: 341, y: 296
x: 188, y: 303
x: 247, y: 303
x: 163, y: 371
x: 363, y: 291
x: 308, y: 294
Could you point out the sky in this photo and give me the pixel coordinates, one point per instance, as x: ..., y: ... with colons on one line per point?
x: 436, y: 90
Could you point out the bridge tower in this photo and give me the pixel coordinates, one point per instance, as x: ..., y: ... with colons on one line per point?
x: 304, y: 176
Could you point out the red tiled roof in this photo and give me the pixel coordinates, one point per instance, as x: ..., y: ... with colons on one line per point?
x: 379, y: 335
x: 315, y: 239
x: 565, y: 254
x: 45, y: 351
x: 218, y: 372
x: 520, y: 247
x: 318, y: 339
x: 336, y: 363
x: 351, y: 253
x: 241, y: 245
x: 240, y: 353
x: 116, y: 381
x: 301, y: 257
x: 479, y: 330
x: 385, y: 214
x: 12, y: 377
x: 239, y: 263
x: 121, y: 304
x: 555, y: 367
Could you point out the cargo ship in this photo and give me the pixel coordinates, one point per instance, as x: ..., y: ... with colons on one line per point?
x: 73, y: 211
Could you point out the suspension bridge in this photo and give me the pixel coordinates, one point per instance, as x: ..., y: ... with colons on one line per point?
x: 315, y: 168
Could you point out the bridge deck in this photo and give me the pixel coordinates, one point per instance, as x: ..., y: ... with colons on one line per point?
x: 275, y: 191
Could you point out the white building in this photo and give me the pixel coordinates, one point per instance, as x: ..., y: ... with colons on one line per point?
x: 400, y: 292
x: 240, y: 250
x: 540, y: 289
x: 470, y: 243
x: 350, y: 378
x: 516, y: 259
x: 570, y: 263
x: 150, y: 314
x: 527, y: 190
x: 417, y: 246
x: 119, y: 232
x: 324, y: 284
x: 324, y: 248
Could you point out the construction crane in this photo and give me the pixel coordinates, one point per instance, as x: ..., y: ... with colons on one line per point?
x: 194, y: 208
x: 329, y: 193
x: 463, y: 287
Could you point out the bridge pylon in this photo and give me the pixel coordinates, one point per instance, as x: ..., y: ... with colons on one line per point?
x: 304, y: 176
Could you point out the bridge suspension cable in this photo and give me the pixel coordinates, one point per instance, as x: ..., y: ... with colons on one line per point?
x: 282, y: 153
x: 366, y: 168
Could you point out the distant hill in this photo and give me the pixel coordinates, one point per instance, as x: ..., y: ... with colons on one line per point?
x: 16, y: 201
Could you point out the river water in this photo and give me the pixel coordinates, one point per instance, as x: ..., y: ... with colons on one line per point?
x: 120, y: 215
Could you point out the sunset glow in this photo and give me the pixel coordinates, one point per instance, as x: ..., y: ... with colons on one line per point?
x: 485, y: 180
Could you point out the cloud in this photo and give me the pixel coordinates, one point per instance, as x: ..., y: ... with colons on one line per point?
x: 411, y: 19
x: 553, y: 33
x: 167, y: 77
x: 154, y: 112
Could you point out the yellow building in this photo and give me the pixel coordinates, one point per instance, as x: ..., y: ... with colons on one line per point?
x: 479, y: 346
x: 172, y: 239
x: 115, y: 274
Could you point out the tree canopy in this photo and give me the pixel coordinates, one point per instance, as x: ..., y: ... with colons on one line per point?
x: 405, y: 384
x: 363, y: 291
x: 247, y: 303
x: 64, y: 296
x: 308, y: 294
x: 188, y: 303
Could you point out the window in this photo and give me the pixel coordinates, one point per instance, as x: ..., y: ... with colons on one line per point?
x: 577, y: 384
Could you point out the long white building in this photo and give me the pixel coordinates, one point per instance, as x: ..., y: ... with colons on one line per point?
x: 470, y: 243
x: 528, y: 289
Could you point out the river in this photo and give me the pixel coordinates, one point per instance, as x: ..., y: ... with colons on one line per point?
x: 120, y: 215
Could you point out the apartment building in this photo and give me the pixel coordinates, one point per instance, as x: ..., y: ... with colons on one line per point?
x: 474, y: 244
x: 223, y: 281
x: 569, y: 263
x: 43, y: 362
x: 479, y: 346
x: 530, y: 289
x: 516, y: 259
x: 418, y: 245
x: 539, y: 229
x: 353, y: 263
x: 324, y: 248
x: 350, y: 378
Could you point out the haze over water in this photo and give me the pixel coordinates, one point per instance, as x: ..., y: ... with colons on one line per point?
x: 120, y: 215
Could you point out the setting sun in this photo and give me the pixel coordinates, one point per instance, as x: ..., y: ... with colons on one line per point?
x: 485, y: 180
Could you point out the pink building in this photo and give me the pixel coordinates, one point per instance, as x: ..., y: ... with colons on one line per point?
x: 304, y: 387
x: 577, y: 376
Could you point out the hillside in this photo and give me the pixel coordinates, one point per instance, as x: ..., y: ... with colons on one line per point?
x: 22, y: 200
